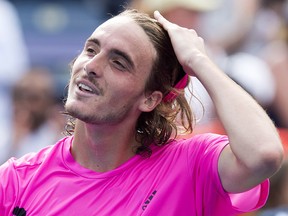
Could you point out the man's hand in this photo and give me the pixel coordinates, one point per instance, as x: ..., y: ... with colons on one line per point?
x: 188, y: 46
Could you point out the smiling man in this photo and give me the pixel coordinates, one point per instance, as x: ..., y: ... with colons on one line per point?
x: 127, y: 103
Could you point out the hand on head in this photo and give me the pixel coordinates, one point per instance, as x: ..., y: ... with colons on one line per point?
x: 188, y: 46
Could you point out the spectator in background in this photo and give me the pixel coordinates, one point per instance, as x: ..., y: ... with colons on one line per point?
x: 14, y: 62
x: 255, y: 30
x: 275, y: 52
x: 36, y: 116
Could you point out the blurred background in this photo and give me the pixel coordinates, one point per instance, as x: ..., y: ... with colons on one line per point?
x: 54, y: 32
x: 248, y: 39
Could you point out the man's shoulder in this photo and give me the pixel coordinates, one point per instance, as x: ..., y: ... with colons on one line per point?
x: 199, y: 144
x: 34, y: 159
x: 201, y: 139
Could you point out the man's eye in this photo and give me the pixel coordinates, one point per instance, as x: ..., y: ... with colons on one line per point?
x: 90, y: 50
x: 119, y: 64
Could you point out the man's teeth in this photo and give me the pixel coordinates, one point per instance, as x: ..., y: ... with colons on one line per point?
x: 84, y: 87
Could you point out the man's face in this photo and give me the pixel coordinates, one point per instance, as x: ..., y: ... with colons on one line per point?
x: 108, y: 78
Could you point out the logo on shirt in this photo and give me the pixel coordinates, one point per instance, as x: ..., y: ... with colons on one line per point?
x: 148, y: 200
x: 19, y: 211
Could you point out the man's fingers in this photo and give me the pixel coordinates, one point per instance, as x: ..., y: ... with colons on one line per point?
x: 157, y: 15
x: 167, y: 25
x: 164, y: 22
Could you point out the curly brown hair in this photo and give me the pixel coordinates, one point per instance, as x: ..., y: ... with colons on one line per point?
x: 161, y: 125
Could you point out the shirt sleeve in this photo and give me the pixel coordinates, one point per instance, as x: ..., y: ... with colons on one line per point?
x: 205, y: 150
x: 251, y: 200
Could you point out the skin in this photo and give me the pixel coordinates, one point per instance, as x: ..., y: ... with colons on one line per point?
x: 105, y: 129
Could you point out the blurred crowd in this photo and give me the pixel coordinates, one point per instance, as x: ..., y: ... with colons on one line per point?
x: 248, y: 39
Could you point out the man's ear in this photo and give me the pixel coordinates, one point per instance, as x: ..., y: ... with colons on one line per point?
x: 151, y: 101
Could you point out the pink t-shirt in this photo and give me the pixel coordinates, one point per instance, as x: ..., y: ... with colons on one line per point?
x: 178, y: 179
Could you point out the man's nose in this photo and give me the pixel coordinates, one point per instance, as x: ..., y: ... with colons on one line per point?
x: 94, y: 67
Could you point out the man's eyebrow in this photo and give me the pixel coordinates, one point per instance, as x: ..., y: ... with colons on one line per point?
x: 124, y: 55
x: 93, y: 40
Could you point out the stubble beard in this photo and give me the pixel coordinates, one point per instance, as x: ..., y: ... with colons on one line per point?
x: 110, y: 117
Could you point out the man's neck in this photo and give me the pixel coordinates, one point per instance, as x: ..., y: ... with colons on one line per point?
x: 102, y: 148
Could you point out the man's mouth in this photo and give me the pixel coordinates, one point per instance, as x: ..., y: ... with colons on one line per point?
x: 85, y: 88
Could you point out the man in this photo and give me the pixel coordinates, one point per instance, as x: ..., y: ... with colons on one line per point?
x: 121, y: 97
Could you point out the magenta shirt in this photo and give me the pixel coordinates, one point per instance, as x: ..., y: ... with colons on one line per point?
x: 178, y: 179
